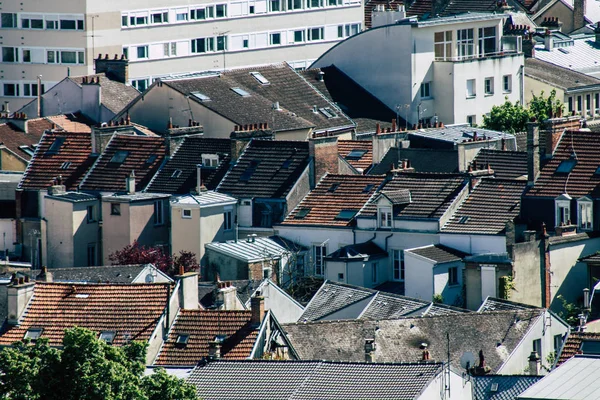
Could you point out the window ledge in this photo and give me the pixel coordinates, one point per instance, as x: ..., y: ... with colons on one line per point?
x: 472, y: 97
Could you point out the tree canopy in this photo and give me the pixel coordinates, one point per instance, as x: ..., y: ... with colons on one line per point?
x: 87, y: 368
x: 139, y: 254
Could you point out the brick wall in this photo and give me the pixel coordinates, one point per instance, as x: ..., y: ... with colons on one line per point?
x: 324, y: 152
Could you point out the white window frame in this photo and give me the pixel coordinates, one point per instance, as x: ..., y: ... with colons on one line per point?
x: 319, y: 254
x: 398, y: 266
x: 507, y: 84
x: 15, y: 54
x: 425, y: 91
x: 585, y: 213
x: 444, y: 44
x: 465, y: 43
x: 384, y: 217
x: 483, y: 38
x: 210, y: 160
x: 488, y: 86
x: 228, y: 218
x: 473, y: 92
x: 186, y: 213
x: 562, y: 206
x: 146, y: 54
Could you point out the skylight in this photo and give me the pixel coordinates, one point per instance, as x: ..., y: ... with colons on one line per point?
x: 356, y: 154
x: 463, y: 219
x: 182, y: 340
x: 176, y: 174
x: 108, y: 336
x: 590, y: 347
x: 346, y: 215
x: 65, y: 165
x: 27, y: 149
x: 328, y: 112
x: 368, y: 188
x: 55, y: 147
x: 260, y: 78
x: 566, y: 166
x: 33, y: 334
x: 240, y: 91
x: 287, y: 163
x: 597, y: 172
x: 333, y: 187
x: 247, y: 174
x: 119, y: 157
x: 301, y: 213
x: 200, y: 96
x: 151, y: 159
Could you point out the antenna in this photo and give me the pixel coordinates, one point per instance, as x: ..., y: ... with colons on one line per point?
x: 448, y: 365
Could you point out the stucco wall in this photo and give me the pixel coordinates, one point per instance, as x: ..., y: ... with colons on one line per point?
x: 60, y: 228
x: 418, y: 277
x: 527, y: 273
x: 475, y: 244
x: 115, y: 230
x: 10, y: 162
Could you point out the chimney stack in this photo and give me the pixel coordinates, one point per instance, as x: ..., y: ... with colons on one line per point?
x: 227, y: 296
x: 188, y: 290
x: 533, y: 152
x: 44, y: 275
x: 214, y: 349
x: 19, y: 293
x: 534, y: 364
x: 578, y: 14
x: 548, y: 40
x: 597, y: 32
x: 116, y: 69
x: 370, y: 347
x: 198, y: 178
x: 257, y: 305
x: 130, y: 183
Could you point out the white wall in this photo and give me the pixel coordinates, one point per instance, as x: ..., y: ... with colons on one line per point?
x: 283, y: 307
x: 418, y: 277
x: 7, y: 234
x: 451, y: 294
x: 474, y: 244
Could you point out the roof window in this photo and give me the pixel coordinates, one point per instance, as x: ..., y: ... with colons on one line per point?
x: 176, y: 174
x: 590, y: 347
x: 494, y: 387
x: 151, y: 158
x: 368, y: 188
x: 286, y: 164
x: 119, y: 157
x: 108, y: 336
x: 33, y: 334
x: 566, y: 166
x: 247, y: 174
x: 463, y: 219
x: 346, y: 215
x: 328, y: 112
x: 260, y: 78
x: 200, y: 96
x: 597, y: 172
x: 182, y: 340
x: 27, y: 149
x: 240, y: 91
x: 65, y: 165
x: 333, y: 187
x: 55, y: 147
x: 82, y: 295
x: 302, y: 213
x: 356, y: 154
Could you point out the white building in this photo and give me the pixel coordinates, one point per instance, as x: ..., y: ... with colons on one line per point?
x: 453, y: 68
x: 51, y: 38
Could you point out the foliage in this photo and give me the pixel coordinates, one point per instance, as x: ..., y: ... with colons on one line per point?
x: 507, y: 284
x: 550, y: 359
x: 570, y: 312
x: 544, y: 108
x: 187, y: 260
x: 304, y: 288
x: 139, y: 254
x: 507, y: 117
x: 87, y: 368
x: 438, y: 298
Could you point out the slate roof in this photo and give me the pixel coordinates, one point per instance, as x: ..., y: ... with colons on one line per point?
x: 572, y: 344
x: 582, y: 56
x: 46, y: 165
x: 423, y: 8
x: 487, y: 209
x: 299, y: 380
x: 582, y: 179
x: 266, y: 169
x: 508, y: 386
x: 359, y: 251
x: 144, y: 155
x: 13, y: 139
x: 131, y: 310
x: 186, y: 157
x: 431, y: 194
x: 556, y: 75
x: 438, y: 253
x: 497, y: 304
x: 102, y: 274
x: 332, y: 297
x: 399, y: 340
x: 422, y: 160
x: 365, y: 161
x: 505, y: 164
x: 115, y: 95
x: 295, y: 96
x: 204, y: 326
x: 207, y: 291
x: 333, y: 194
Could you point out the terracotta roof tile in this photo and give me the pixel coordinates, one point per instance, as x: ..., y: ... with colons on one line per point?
x: 72, y: 122
x: 13, y: 138
x: 203, y: 326
x: 491, y: 204
x: 131, y: 310
x: 505, y: 164
x: 333, y: 194
x: 38, y: 126
x: 123, y: 154
x: 71, y: 160
x: 572, y: 345
x: 363, y: 161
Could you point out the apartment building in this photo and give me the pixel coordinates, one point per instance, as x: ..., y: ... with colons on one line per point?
x: 450, y: 69
x: 57, y: 38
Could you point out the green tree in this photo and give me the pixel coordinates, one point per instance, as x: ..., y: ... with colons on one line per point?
x: 544, y: 108
x: 86, y: 368
x: 507, y: 117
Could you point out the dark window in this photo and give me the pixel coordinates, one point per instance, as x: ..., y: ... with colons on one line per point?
x: 91, y: 214
x: 108, y: 336
x: 115, y: 209
x: 453, y: 276
x: 9, y: 20
x: 222, y: 10
x: 275, y: 38
x: 10, y: 54
x: 68, y: 24
x: 368, y: 188
x: 346, y: 215
x: 33, y: 334
x: 301, y: 213
x: 566, y: 166
x: 119, y: 157
x: 333, y: 187
x: 158, y: 212
x: 55, y: 147
x: 356, y: 154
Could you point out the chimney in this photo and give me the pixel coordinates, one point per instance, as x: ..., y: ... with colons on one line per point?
x: 534, y: 364
x: 19, y: 293
x: 188, y: 290
x: 578, y: 14
x: 548, y: 40
x: 257, y: 305
x: 320, y: 76
x: 130, y: 183
x: 227, y: 296
x: 91, y: 95
x: 370, y: 347
x: 324, y: 153
x: 44, y: 275
x: 115, y: 69
x: 529, y: 46
x: 214, y: 349
x: 198, y: 178
x: 533, y: 152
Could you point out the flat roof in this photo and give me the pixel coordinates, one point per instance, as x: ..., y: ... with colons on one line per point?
x: 205, y: 199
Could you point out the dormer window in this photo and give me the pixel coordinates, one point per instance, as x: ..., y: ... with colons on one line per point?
x: 210, y: 160
x: 562, y: 206
x: 384, y: 217
x: 585, y: 216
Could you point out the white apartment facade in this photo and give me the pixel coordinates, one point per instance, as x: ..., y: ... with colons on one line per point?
x: 453, y: 68
x: 161, y: 38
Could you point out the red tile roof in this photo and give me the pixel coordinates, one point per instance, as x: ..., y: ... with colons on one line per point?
x: 365, y: 161
x: 132, y: 310
x: 13, y: 138
x: 580, y: 148
x: 203, y: 326
x: 333, y: 194
x: 143, y: 156
x: 72, y: 122
x: 46, y: 165
x: 38, y: 126
x: 572, y: 345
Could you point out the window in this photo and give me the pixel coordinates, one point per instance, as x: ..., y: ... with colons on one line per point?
x: 558, y: 340
x: 384, y: 217
x: 374, y: 267
x: 443, y: 45
x: 142, y: 52
x: 51, y: 24
x: 26, y: 56
x: 328, y: 112
x: 33, y: 334
x: 294, y: 4
x: 32, y: 23
x: 507, y: 83
x: 91, y: 254
x: 245, y: 43
x: 71, y: 24
x: 108, y: 336
x: 159, y: 212
x: 210, y: 160
x: 9, y: 20
x: 221, y: 43
x: 596, y: 103
x: 398, y: 264
x: 203, y: 45
x: 186, y: 213
x: 10, y: 54
x: 464, y: 42
x: 119, y: 157
x: 471, y: 85
x: 260, y: 78
x: 341, y: 277
x: 31, y: 89
x: 579, y: 103
x: 227, y: 220
x: 584, y: 213
x: 251, y: 10
x: 319, y: 253
x: 275, y: 39
x: 489, y: 85
x: 298, y: 36
x: 267, y: 273
x: 472, y: 120
x: 115, y: 209
x: 537, y: 346
x: 588, y: 103
x: 138, y: 20
x: 302, y: 213
x: 425, y: 90
x: 71, y: 57
x: 182, y: 340
x: 562, y: 205
x: 124, y: 20
x: 202, y: 13
x: 221, y: 10
x: 452, y: 276
x: 11, y: 89
x: 91, y: 214
x: 315, y: 34
x: 181, y: 16
x: 140, y: 84
x: 570, y: 101
x: 274, y: 5
x: 65, y: 165
x: 487, y: 41
x: 314, y: 3
x: 346, y: 214
x: 159, y: 17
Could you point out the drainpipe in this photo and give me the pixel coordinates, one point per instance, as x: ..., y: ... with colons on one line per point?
x: 386, y: 241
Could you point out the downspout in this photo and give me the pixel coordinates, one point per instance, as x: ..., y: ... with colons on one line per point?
x: 386, y: 241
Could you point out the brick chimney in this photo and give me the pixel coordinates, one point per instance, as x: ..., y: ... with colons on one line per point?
x: 214, y: 349
x: 324, y: 153
x: 188, y: 290
x: 533, y: 152
x: 578, y: 14
x: 597, y: 33
x: 19, y: 293
x: 116, y: 69
x: 257, y: 305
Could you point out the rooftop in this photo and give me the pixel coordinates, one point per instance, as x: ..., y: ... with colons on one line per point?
x: 266, y: 169
x: 358, y: 153
x: 335, y: 201
x: 459, y: 134
x: 298, y: 380
x: 487, y: 209
x: 497, y: 304
x: 72, y: 197
x: 205, y: 199
x: 259, y: 249
x: 501, y: 387
x: 423, y: 8
x: 207, y: 291
x: 130, y: 310
x: 573, y: 345
x: 115, y: 95
x: 438, y: 253
x: 582, y: 56
x: 19, y: 143
x: 558, y: 76
x: 422, y: 160
x: 102, y: 274
x: 359, y: 251
x: 505, y: 164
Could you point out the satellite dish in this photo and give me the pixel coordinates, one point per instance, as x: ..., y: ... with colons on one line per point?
x: 467, y: 360
x: 149, y: 278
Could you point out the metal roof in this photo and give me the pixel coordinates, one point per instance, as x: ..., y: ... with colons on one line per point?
x: 461, y: 133
x: 250, y: 251
x: 583, y: 56
x: 455, y: 19
x: 205, y: 199
x: 137, y: 196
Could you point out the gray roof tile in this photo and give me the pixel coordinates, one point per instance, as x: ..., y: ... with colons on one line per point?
x: 509, y: 386
x: 439, y: 253
x: 496, y: 304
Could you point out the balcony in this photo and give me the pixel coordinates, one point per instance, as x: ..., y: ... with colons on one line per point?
x: 510, y: 46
